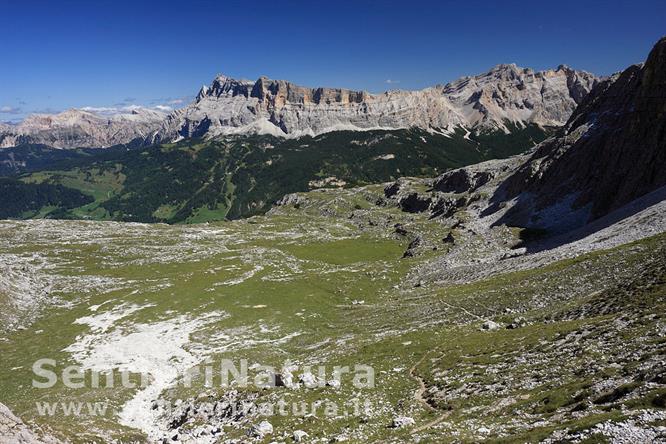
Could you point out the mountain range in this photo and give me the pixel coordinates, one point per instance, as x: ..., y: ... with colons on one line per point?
x: 493, y: 250
x: 241, y: 146
x: 79, y: 128
x: 504, y: 98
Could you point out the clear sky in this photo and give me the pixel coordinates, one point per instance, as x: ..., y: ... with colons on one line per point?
x: 58, y: 54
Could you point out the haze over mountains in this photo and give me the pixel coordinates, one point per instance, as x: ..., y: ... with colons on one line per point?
x: 504, y: 98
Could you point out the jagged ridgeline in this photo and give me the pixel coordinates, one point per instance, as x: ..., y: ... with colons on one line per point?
x: 241, y: 145
x: 236, y: 176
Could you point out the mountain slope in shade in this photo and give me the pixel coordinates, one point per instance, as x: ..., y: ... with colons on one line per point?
x: 79, y: 128
x: 611, y: 151
x: 506, y: 95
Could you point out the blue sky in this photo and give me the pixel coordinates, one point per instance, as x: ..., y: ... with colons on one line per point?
x: 63, y: 54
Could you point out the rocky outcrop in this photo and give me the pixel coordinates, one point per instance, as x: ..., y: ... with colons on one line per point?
x: 14, y: 431
x: 611, y: 151
x: 461, y: 180
x: 83, y: 129
x: 438, y: 203
x: 261, y: 429
x: 446, y: 206
x: 505, y: 97
x: 414, y: 203
x: 203, y: 419
x: 413, y: 247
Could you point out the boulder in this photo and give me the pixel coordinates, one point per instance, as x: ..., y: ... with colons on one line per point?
x: 308, y: 380
x: 490, y: 325
x: 402, y: 421
x: 517, y: 323
x: 260, y: 430
x: 334, y: 383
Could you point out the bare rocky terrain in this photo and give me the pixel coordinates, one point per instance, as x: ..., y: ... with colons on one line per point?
x: 13, y: 431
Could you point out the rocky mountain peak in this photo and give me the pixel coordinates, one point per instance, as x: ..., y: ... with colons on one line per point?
x: 503, y: 98
x: 203, y: 91
x: 507, y: 70
x: 225, y: 86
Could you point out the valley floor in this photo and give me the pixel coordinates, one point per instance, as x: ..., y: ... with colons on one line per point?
x: 470, y: 336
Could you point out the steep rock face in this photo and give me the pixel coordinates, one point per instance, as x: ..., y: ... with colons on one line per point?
x: 611, y: 151
x: 519, y: 95
x: 78, y: 129
x: 507, y: 95
x: 501, y: 99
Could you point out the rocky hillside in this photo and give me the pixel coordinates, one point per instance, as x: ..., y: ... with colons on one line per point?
x: 610, y: 152
x: 504, y: 99
x: 506, y: 95
x: 78, y: 128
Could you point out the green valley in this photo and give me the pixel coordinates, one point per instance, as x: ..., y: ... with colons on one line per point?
x: 198, y: 181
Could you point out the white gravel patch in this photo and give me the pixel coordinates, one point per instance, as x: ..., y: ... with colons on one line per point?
x: 158, y: 349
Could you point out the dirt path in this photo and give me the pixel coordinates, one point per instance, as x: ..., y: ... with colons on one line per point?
x: 418, y: 395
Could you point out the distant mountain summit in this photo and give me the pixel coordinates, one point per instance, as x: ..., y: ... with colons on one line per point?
x: 77, y: 128
x: 503, y: 99
x: 507, y: 96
